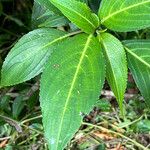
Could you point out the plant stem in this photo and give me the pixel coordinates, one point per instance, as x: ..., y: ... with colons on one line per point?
x: 74, y: 33
x: 12, y: 122
x: 132, y: 122
x: 39, y: 132
x: 18, y: 125
x: 5, y: 138
x: 119, y: 134
x: 30, y: 138
x: 30, y: 119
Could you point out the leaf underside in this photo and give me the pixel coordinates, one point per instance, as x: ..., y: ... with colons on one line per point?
x: 116, y: 66
x: 70, y: 85
x: 138, y: 52
x: 125, y: 15
x: 28, y: 57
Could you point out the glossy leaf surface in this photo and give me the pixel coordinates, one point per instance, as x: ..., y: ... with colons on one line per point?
x: 28, y: 56
x: 116, y: 66
x: 70, y: 85
x: 78, y: 13
x: 138, y: 52
x: 125, y: 15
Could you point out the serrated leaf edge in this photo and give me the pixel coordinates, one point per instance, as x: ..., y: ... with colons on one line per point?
x: 137, y: 57
x: 73, y: 83
x: 118, y: 98
x: 80, y: 14
x: 49, y: 44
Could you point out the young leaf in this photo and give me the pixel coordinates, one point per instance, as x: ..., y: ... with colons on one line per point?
x: 70, y: 85
x: 125, y: 15
x: 28, y: 56
x: 79, y: 14
x: 138, y: 52
x: 116, y: 66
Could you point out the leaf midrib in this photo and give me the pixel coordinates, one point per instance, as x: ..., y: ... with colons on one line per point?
x: 58, y: 39
x: 72, y: 85
x: 49, y: 44
x: 79, y: 15
x: 137, y: 57
x: 122, y: 10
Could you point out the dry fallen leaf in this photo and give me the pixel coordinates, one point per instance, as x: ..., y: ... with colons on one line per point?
x: 118, y: 147
x: 3, y: 143
x: 105, y: 136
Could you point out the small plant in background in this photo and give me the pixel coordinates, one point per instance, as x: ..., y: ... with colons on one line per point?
x: 74, y: 64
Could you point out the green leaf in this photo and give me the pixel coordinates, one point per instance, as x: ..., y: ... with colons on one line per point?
x: 18, y: 106
x: 79, y: 14
x: 70, y: 85
x: 39, y: 14
x: 103, y: 104
x: 33, y: 100
x: 143, y: 126
x: 55, y: 21
x: 4, y: 104
x: 42, y: 17
x: 28, y: 56
x: 125, y: 15
x: 47, y: 4
x: 116, y: 66
x: 138, y: 52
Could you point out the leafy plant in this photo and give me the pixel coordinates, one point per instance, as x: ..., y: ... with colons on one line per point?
x: 74, y: 65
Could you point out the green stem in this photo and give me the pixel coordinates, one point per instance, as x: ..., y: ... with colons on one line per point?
x: 30, y: 138
x: 5, y: 138
x: 30, y: 119
x: 39, y: 132
x: 132, y: 122
x: 17, y: 125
